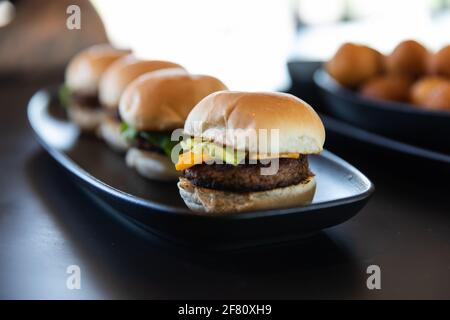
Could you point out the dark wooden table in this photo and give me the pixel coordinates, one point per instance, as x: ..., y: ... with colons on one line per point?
x: 47, y: 224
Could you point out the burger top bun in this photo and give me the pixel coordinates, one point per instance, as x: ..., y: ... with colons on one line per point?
x: 85, y: 69
x: 121, y: 73
x: 161, y: 100
x: 230, y: 118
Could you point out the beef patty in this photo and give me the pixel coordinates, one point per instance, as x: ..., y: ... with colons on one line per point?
x: 247, y: 177
x: 86, y: 101
x: 143, y: 144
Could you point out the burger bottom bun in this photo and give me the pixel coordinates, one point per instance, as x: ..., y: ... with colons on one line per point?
x: 152, y: 165
x: 109, y: 131
x: 218, y: 202
x: 88, y: 119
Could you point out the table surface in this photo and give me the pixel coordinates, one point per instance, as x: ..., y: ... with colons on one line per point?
x: 47, y: 224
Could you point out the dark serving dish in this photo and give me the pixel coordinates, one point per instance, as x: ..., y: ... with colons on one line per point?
x: 341, y: 190
x: 342, y: 136
x: 400, y: 121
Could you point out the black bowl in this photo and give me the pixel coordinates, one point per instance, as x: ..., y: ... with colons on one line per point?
x: 157, y: 207
x: 400, y: 121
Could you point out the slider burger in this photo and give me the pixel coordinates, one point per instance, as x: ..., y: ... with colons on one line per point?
x: 82, y: 79
x: 112, y: 84
x: 151, y: 107
x: 235, y: 138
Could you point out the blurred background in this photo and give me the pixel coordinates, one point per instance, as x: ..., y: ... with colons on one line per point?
x: 245, y: 43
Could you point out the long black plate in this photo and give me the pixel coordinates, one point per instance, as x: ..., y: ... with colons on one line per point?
x: 341, y: 190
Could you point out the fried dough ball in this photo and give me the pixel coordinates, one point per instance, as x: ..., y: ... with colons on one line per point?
x: 439, y: 63
x: 439, y: 98
x: 391, y: 87
x: 354, y: 64
x: 422, y: 88
x: 409, y: 57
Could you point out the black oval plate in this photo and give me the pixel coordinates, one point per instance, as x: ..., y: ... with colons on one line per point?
x: 400, y: 121
x: 341, y: 191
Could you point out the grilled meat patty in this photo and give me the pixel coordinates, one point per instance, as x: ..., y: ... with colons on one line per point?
x: 146, y: 145
x: 247, y: 177
x: 86, y: 101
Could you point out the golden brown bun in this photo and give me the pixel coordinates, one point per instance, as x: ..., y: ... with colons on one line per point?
x: 217, y: 202
x: 393, y: 87
x: 228, y: 117
x: 109, y: 131
x: 85, y: 69
x: 439, y: 63
x: 354, y: 64
x: 409, y: 58
x: 439, y: 98
x: 422, y: 88
x: 152, y: 165
x: 161, y: 100
x: 121, y: 73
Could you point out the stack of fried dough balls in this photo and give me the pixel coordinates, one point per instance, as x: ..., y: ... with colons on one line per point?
x: 409, y: 74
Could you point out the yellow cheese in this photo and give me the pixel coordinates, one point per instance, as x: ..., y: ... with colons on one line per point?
x: 273, y: 156
x: 189, y: 158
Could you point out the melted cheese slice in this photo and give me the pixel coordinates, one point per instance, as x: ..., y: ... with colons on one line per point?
x: 274, y: 156
x: 189, y: 158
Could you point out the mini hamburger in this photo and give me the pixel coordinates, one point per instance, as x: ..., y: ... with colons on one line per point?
x: 224, y: 160
x: 82, y: 80
x: 112, y: 84
x: 151, y: 107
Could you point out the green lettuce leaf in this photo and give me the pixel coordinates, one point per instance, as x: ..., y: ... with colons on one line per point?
x: 64, y: 96
x: 158, y: 139
x: 218, y: 152
x: 128, y: 132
